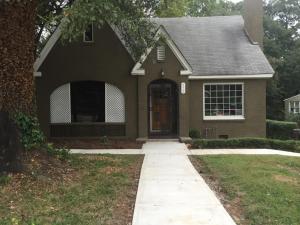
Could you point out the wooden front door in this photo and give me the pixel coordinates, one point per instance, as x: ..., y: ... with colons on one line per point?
x: 163, y: 108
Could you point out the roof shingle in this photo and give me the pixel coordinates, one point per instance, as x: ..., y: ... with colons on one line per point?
x: 216, y: 45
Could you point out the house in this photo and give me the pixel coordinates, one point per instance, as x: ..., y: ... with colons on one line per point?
x: 204, y: 73
x: 292, y: 106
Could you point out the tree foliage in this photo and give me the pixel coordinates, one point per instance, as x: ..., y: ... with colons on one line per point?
x: 177, y: 8
x: 127, y: 16
x: 282, y: 47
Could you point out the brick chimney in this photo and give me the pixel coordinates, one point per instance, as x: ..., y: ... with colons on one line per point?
x: 253, y: 16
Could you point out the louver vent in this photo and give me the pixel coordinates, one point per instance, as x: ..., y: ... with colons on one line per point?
x: 161, y: 53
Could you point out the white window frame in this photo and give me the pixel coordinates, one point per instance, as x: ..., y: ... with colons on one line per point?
x: 84, y: 40
x: 294, y: 107
x: 239, y: 117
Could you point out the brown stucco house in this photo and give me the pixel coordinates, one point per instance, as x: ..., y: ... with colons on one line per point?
x: 204, y: 73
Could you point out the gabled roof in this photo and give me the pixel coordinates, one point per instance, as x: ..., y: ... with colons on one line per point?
x: 216, y: 45
x: 162, y: 33
x: 295, y: 97
x: 207, y: 47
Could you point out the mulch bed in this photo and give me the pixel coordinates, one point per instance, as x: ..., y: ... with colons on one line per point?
x: 96, y: 143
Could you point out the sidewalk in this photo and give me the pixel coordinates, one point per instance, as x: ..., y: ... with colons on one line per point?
x: 171, y: 192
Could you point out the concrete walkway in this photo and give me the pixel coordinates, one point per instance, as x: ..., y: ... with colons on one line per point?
x: 171, y: 192
x: 242, y: 152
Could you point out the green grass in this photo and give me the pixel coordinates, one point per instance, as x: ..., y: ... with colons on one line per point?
x: 98, y: 190
x: 267, y: 186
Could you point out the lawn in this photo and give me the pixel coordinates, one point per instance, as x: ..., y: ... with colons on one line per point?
x: 84, y: 190
x: 256, y: 190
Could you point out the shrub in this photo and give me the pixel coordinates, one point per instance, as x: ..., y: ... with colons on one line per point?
x: 61, y: 153
x: 104, y: 140
x: 294, y: 118
x: 194, y: 133
x: 31, y: 135
x: 287, y: 145
x: 280, y: 129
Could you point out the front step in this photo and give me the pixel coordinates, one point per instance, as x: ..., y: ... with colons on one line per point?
x: 158, y: 139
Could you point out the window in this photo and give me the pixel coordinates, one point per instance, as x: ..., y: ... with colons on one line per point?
x: 223, y: 101
x: 161, y: 53
x: 295, y: 107
x: 88, y: 35
x: 87, y: 102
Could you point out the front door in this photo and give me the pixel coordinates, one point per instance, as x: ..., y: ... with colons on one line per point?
x: 163, y: 108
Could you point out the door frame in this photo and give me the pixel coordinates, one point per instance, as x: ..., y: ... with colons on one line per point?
x: 175, y: 113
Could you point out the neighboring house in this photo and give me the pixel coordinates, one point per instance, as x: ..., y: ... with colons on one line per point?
x: 292, y: 106
x: 204, y: 73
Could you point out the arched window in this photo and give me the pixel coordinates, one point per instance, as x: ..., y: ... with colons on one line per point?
x: 87, y: 102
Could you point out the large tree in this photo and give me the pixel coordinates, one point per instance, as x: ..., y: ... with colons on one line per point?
x: 24, y: 23
x: 282, y: 47
x: 17, y: 25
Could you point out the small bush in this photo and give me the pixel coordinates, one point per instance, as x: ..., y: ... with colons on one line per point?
x: 4, y: 179
x: 194, y: 133
x: 280, y: 129
x: 33, y: 138
x: 288, y: 145
x: 61, y: 153
x: 31, y: 135
x: 104, y: 140
x: 294, y: 118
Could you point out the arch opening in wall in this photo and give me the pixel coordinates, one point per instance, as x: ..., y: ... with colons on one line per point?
x: 87, y: 102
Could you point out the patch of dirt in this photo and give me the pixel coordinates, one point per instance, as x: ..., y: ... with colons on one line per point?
x: 285, y: 179
x: 291, y: 170
x: 41, y: 172
x: 233, y: 206
x: 96, y: 143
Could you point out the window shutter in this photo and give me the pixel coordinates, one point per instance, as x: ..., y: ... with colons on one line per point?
x: 114, y: 104
x: 161, y: 53
x: 60, y: 105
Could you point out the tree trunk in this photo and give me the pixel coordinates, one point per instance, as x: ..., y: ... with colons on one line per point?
x: 17, y: 26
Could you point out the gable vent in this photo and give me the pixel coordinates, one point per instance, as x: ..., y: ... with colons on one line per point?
x: 161, y: 53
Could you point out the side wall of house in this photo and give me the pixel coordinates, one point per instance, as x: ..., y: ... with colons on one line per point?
x: 254, y: 124
x: 104, y: 60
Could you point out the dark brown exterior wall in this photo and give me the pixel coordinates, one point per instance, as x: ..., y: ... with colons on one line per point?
x: 107, y: 60
x: 254, y: 124
x: 171, y: 68
x: 104, y: 60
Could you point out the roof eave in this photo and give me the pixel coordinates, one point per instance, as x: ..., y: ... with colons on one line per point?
x: 222, y: 77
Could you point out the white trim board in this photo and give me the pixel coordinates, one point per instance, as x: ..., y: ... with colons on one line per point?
x: 48, y: 47
x: 295, y: 96
x: 222, y: 77
x: 161, y: 32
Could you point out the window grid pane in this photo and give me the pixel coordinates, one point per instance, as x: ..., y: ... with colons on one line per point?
x: 223, y: 99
